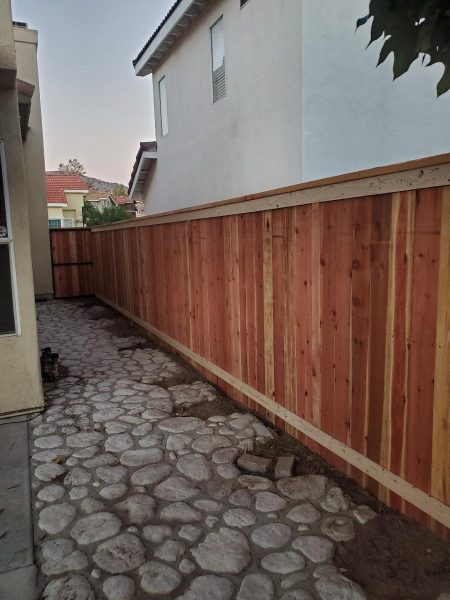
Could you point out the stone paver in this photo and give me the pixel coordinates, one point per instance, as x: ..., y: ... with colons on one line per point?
x: 134, y: 500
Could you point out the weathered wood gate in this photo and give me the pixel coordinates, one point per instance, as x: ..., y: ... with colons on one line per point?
x: 71, y: 262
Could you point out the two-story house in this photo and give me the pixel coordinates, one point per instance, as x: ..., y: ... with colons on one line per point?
x: 251, y: 95
x: 65, y: 200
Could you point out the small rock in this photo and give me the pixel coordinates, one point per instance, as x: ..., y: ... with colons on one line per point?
x: 240, y: 498
x: 137, y: 509
x: 254, y: 464
x: 151, y: 474
x: 283, y: 562
x: 209, y: 506
x: 305, y: 487
x: 194, y: 466
x: 170, y: 551
x: 57, y: 517
x: 51, y: 493
x: 175, y: 489
x: 226, y: 551
x: 190, y: 533
x: 335, y: 586
x: 50, y: 441
x: 119, y: 442
x: 239, y: 517
x: 77, y: 476
x: 293, y: 579
x: 335, y: 501
x: 73, y: 587
x: 111, y: 474
x: 180, y: 424
x: 49, y: 472
x: 142, y: 430
x: 363, y: 514
x: 158, y: 579
x: 119, y: 587
x: 178, y: 441
x: 95, y: 528
x: 120, y: 554
x: 91, y: 505
x: 284, y: 467
x: 78, y: 493
x: 339, y: 529
x: 297, y: 595
x: 83, y: 439
x: 114, y: 491
x: 273, y: 535
x: 208, y: 443
x: 314, y: 547
x: 186, y: 566
x: 228, y: 471
x: 225, y: 456
x: 304, y: 513
x: 156, y: 533
x: 254, y: 483
x: 256, y: 587
x: 268, y: 502
x: 208, y: 587
x: 180, y: 512
x: 139, y: 458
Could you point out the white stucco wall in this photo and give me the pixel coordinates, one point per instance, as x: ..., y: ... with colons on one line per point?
x: 304, y: 101
x: 248, y: 141
x: 354, y: 115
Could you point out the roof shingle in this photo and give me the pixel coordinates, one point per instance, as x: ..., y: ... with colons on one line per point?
x: 56, y: 183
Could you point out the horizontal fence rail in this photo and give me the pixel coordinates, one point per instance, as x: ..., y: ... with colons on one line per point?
x: 331, y: 318
x: 71, y: 253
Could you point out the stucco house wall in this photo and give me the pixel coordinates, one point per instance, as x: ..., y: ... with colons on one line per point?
x: 26, y: 45
x: 303, y: 101
x: 20, y: 380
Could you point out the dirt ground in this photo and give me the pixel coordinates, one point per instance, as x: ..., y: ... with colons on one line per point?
x: 392, y: 557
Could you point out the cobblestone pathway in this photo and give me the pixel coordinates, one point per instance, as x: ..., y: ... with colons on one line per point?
x: 133, y: 502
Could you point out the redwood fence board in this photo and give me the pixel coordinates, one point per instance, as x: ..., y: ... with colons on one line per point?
x: 337, y: 311
x: 71, y: 252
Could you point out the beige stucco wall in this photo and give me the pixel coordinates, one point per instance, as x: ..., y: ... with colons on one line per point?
x: 26, y: 42
x: 75, y: 203
x: 20, y: 381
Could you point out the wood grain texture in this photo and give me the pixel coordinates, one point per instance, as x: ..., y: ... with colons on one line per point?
x: 332, y: 319
x: 71, y: 251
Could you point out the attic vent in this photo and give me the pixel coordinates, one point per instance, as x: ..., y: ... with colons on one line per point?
x: 218, y: 60
x: 20, y: 24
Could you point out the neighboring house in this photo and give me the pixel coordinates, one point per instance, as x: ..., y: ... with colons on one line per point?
x: 65, y: 200
x: 251, y: 95
x: 134, y: 207
x: 20, y: 379
x: 26, y: 46
x: 101, y: 200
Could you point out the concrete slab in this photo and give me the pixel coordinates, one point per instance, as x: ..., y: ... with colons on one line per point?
x: 16, y: 528
x: 20, y: 584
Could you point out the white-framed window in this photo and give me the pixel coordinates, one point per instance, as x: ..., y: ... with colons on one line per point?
x: 54, y: 223
x: 68, y: 223
x: 163, y: 106
x: 218, y: 60
x: 9, y: 317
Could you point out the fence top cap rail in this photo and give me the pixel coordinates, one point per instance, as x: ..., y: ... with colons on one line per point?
x: 420, y: 163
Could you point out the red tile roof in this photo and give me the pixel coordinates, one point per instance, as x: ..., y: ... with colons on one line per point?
x: 123, y: 199
x: 56, y: 183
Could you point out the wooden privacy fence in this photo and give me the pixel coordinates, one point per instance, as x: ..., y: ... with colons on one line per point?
x: 71, y: 262
x: 323, y: 306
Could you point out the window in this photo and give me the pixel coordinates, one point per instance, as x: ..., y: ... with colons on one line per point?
x: 54, y: 223
x: 8, y: 316
x: 218, y: 60
x: 68, y: 222
x: 163, y: 106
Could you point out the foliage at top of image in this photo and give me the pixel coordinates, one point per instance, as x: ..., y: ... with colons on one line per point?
x: 412, y: 29
x: 93, y: 216
x: 72, y: 167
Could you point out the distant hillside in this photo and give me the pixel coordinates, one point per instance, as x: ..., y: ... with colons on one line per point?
x: 99, y: 185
